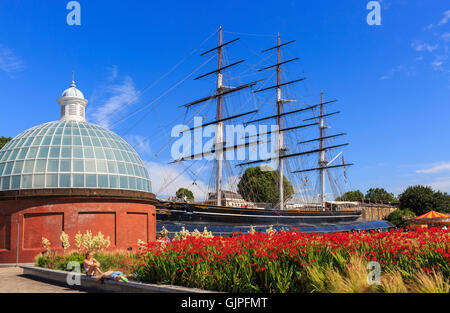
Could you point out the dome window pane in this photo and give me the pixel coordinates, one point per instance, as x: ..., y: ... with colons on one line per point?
x: 78, y: 166
x: 66, y: 152
x: 47, y: 140
x: 121, y: 168
x: 6, y: 156
x: 78, y: 180
x: 102, y: 181
x: 102, y: 166
x: 2, y: 166
x: 84, y: 132
x: 104, y: 142
x: 8, y: 168
x: 91, y: 180
x: 96, y: 142
x: 124, y: 182
x: 37, y: 141
x: 38, y: 181
x: 132, y: 181
x: 86, y: 141
x: 51, y: 181
x: 54, y: 152
x: 138, y: 184
x: 99, y: 154
x: 40, y: 166
x: 22, y: 153
x: 67, y: 130
x: 112, y: 167
x: 56, y: 140
x: 58, y: 131
x: 77, y: 141
x: 18, y: 167
x: 28, y: 142
x: 5, y: 183
x: 15, y: 182
x: 130, y: 169
x: 29, y: 165
x: 88, y: 152
x: 43, y: 152
x: 32, y: 152
x: 77, y: 152
x: 124, y: 155
x: 89, y: 166
x: 113, y: 183
x: 109, y: 154
x: 51, y: 131
x: 25, y: 181
x: 67, y: 140
x: 64, y: 165
x: 64, y: 180
x: 118, y: 155
x: 13, y: 155
x: 52, y: 166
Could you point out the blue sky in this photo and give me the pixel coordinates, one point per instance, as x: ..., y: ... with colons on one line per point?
x: 392, y: 80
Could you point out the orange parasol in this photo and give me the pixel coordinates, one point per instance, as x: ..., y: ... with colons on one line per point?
x: 431, y: 214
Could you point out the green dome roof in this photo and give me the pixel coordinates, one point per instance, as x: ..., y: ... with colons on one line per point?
x: 71, y: 154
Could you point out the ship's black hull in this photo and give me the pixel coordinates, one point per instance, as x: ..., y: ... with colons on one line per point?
x: 216, y: 215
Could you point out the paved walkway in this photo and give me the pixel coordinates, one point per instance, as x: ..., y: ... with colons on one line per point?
x: 13, y: 281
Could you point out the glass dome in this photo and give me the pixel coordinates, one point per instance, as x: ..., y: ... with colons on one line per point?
x: 71, y: 154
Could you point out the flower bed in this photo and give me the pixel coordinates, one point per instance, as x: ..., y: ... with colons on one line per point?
x: 417, y: 261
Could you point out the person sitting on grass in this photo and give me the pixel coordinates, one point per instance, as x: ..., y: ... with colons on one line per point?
x: 114, y: 275
x: 91, y: 265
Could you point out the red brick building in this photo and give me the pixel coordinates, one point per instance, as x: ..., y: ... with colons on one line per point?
x: 71, y: 175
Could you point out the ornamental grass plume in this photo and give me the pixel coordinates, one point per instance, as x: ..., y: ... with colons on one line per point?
x: 434, y: 282
x: 393, y: 283
x: 65, y: 241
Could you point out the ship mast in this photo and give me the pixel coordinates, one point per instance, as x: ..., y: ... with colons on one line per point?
x: 280, y: 133
x: 219, y: 132
x: 322, y: 162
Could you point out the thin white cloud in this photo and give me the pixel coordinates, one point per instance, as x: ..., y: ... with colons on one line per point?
x: 112, y: 99
x: 139, y: 143
x: 424, y: 46
x: 445, y: 19
x: 445, y: 37
x: 442, y: 184
x: 435, y: 169
x: 167, y: 179
x: 9, y: 62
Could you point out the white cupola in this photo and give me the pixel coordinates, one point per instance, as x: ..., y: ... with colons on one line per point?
x: 72, y: 104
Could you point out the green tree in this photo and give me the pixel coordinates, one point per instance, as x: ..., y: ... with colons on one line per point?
x: 380, y: 194
x: 262, y: 185
x: 422, y: 199
x: 181, y: 192
x: 353, y: 195
x: 4, y: 141
x: 396, y: 217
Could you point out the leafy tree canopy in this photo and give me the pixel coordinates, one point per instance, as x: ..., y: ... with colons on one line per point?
x: 181, y: 192
x: 4, y: 141
x: 351, y: 196
x: 261, y: 184
x: 396, y: 217
x: 380, y: 194
x: 422, y: 199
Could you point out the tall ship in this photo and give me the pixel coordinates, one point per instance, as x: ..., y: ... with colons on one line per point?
x: 284, y: 142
